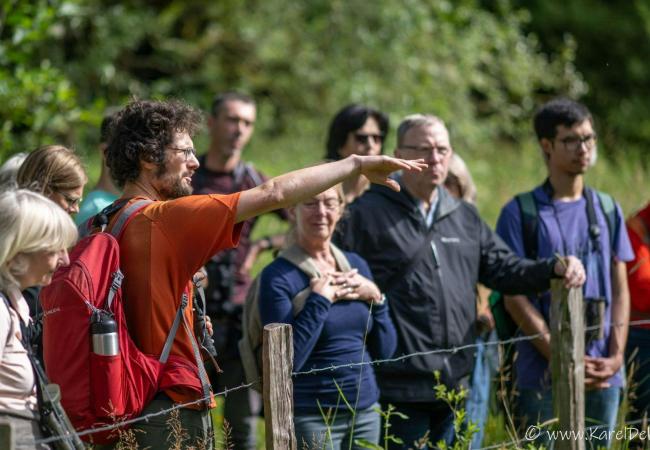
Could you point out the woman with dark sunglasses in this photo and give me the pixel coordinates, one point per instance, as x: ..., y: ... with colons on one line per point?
x: 356, y: 130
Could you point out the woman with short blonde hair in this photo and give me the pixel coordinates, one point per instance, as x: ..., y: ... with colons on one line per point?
x: 35, y: 234
x: 56, y: 172
x: 344, y: 319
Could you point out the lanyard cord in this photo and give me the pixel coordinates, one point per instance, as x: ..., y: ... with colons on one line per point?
x: 593, y: 230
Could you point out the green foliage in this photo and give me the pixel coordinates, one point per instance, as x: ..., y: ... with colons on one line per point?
x: 612, y: 41
x: 463, y: 428
x: 389, y: 438
x: 38, y: 103
x: 65, y: 61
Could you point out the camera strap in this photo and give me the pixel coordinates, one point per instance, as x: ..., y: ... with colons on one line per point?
x: 594, y: 309
x: 594, y: 235
x: 201, y: 309
x: 52, y: 419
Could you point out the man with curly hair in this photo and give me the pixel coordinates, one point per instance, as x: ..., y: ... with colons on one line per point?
x: 151, y: 156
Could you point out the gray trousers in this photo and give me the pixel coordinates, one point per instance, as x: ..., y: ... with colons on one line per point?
x: 158, y: 432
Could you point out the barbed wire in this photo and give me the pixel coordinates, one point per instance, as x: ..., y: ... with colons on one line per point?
x: 144, y: 418
x: 453, y: 349
x: 312, y: 371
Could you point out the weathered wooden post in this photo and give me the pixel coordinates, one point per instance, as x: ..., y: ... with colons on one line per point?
x: 568, y: 363
x: 277, y: 386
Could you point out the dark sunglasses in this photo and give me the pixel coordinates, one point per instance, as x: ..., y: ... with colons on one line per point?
x: 363, y: 138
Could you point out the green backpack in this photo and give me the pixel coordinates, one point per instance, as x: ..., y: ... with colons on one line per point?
x: 505, y: 327
x: 250, y: 345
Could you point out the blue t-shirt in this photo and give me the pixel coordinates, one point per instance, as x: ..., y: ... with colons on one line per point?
x: 328, y: 334
x: 94, y: 202
x: 563, y: 229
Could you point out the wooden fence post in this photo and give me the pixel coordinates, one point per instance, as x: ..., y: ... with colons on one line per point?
x: 277, y: 387
x: 568, y: 363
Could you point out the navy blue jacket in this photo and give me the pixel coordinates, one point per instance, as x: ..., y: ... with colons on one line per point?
x: 327, y: 334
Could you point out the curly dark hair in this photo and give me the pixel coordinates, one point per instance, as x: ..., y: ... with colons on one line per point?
x: 141, y: 132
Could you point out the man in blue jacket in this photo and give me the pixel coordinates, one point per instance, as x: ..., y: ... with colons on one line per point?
x: 427, y: 251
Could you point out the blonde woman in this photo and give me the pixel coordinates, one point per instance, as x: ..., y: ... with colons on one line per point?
x: 56, y: 172
x: 34, y: 236
x: 344, y: 320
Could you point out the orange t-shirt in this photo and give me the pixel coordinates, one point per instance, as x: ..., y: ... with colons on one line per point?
x: 161, y: 249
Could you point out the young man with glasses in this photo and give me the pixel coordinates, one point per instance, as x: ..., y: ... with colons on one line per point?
x: 222, y: 170
x: 427, y: 250
x: 571, y: 219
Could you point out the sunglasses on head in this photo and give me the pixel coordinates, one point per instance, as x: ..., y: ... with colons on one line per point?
x: 364, y: 138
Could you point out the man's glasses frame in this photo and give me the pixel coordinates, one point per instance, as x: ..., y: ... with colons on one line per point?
x: 187, y: 152
x: 573, y: 143
x: 439, y: 149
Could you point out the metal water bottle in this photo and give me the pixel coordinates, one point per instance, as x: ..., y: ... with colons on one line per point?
x: 103, y: 330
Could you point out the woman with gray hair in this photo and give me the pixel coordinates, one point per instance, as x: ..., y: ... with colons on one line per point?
x: 343, y: 319
x: 34, y: 237
x: 9, y: 170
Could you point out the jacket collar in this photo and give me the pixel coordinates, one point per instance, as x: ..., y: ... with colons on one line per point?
x: 446, y: 202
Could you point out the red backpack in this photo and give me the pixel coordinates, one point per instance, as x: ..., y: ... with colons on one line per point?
x: 96, y: 389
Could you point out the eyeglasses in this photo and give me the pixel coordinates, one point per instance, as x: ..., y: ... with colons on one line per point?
x: 573, y: 143
x: 364, y: 138
x: 330, y: 204
x: 71, y: 201
x: 187, y: 152
x: 424, y: 150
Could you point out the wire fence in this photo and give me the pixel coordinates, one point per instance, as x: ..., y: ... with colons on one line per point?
x: 145, y: 418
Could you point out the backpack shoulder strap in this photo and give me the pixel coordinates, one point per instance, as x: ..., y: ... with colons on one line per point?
x: 164, y: 355
x: 529, y: 222
x: 101, y: 219
x: 126, y: 216
x: 592, y: 221
x: 608, y: 206
x: 297, y: 256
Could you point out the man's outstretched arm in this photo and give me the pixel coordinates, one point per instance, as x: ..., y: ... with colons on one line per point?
x: 293, y: 187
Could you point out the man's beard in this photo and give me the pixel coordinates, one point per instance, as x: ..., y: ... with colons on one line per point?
x: 171, y: 186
